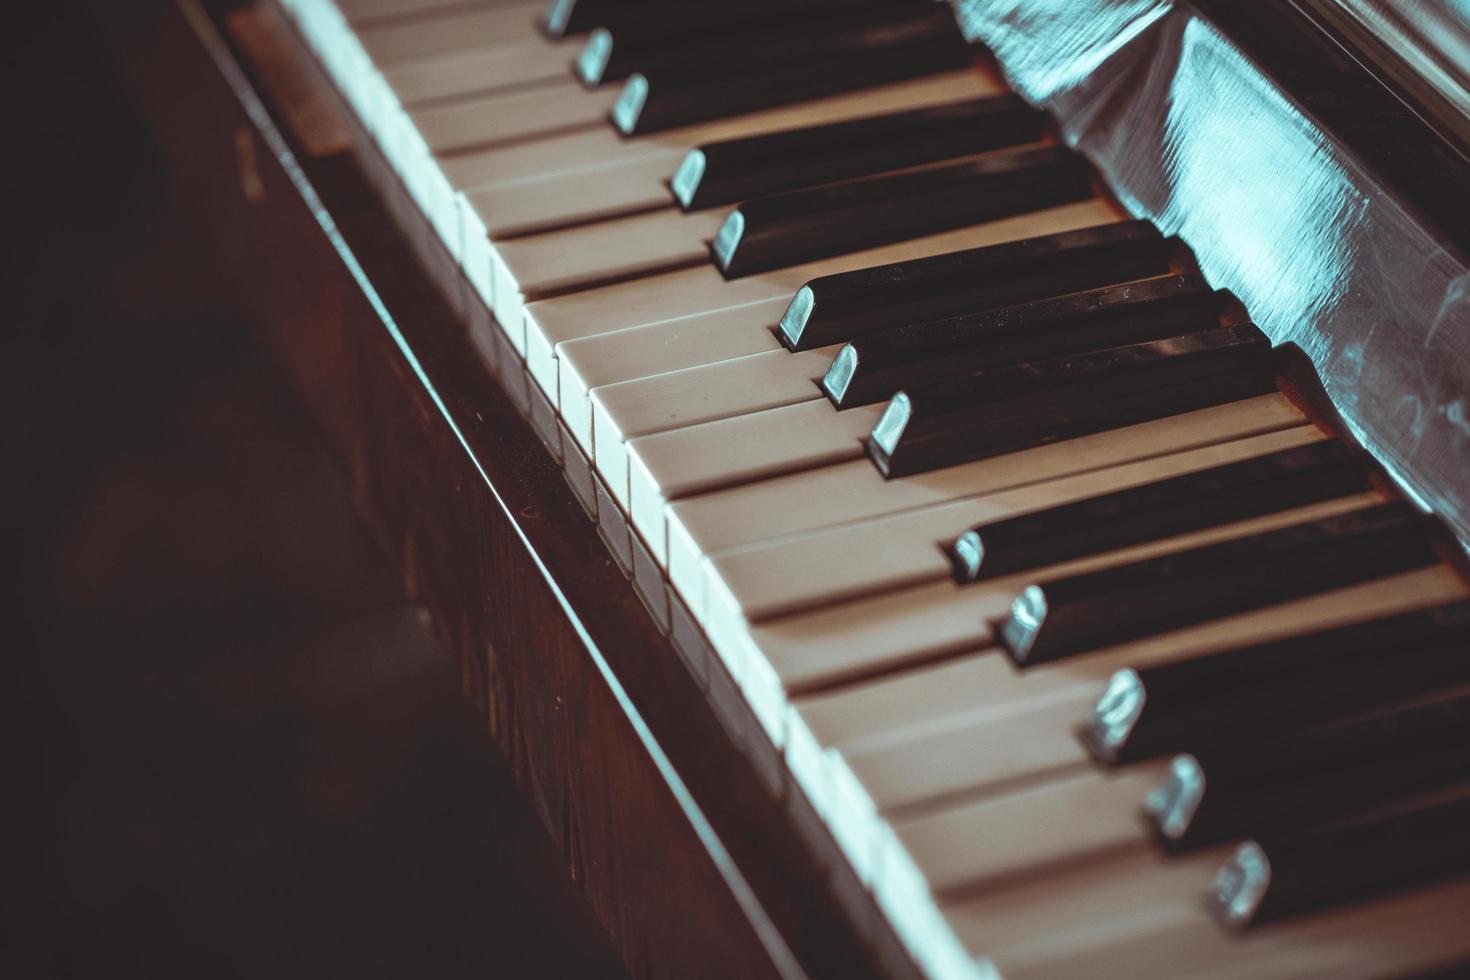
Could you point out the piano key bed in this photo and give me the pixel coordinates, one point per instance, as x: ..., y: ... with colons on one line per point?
x: 1059, y: 598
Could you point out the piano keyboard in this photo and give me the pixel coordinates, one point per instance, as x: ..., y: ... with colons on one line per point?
x: 1094, y: 652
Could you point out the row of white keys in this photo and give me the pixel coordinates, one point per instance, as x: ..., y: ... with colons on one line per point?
x: 1019, y: 952
x: 579, y: 259
x: 429, y: 51
x: 799, y: 503
x: 835, y: 644
x: 556, y: 161
x: 660, y: 324
x: 838, y: 564
x: 601, y: 147
x: 912, y: 758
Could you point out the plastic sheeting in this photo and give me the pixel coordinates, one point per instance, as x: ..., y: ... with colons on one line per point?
x: 1189, y: 133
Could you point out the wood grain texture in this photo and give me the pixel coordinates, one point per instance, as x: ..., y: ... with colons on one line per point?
x: 580, y: 690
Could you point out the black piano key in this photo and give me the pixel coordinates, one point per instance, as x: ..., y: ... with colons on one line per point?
x: 1290, y: 784
x: 1272, y: 879
x: 734, y: 170
x: 875, y: 367
x: 841, y: 307
x: 563, y: 18
x: 1076, y: 613
x: 792, y: 68
x: 1153, y: 511
x: 1282, y: 685
x: 720, y: 38
x: 802, y: 226
x: 999, y: 410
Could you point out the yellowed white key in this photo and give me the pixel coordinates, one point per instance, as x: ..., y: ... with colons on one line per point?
x: 738, y: 391
x: 510, y: 117
x: 590, y: 176
x: 845, y: 562
x: 804, y: 502
x: 651, y: 306
x: 642, y: 352
x: 835, y: 644
x: 744, y: 449
x: 1035, y: 732
x: 1077, y: 898
x: 1140, y: 914
x: 665, y: 411
x: 579, y: 259
x: 974, y: 723
x: 1396, y: 935
x: 1004, y: 837
x: 427, y: 36
x: 602, y: 146
x: 546, y: 203
x: 500, y: 65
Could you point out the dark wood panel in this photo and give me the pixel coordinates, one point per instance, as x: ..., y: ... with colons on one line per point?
x: 580, y: 689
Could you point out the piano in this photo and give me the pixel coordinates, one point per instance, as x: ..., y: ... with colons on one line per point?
x: 915, y: 490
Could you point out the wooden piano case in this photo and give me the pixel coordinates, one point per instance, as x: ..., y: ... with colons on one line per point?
x: 624, y: 733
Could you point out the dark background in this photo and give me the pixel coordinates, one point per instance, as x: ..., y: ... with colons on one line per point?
x: 251, y: 757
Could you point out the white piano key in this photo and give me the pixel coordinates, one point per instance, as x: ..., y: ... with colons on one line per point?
x: 603, y: 146
x: 1077, y: 899
x: 742, y: 449
x: 655, y: 303
x: 541, y: 204
x: 881, y: 710
x: 604, y: 359
x: 1397, y: 935
x: 476, y: 261
x: 496, y: 66
x: 427, y: 36
x: 993, y: 839
x: 510, y: 117
x: 806, y: 652
x: 807, y: 501
x: 975, y: 723
x: 591, y: 255
x: 845, y: 562
x: 725, y: 390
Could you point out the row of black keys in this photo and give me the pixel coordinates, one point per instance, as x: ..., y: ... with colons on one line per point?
x: 1340, y: 753
x: 1127, y: 353
x: 687, y: 62
x: 1113, y: 320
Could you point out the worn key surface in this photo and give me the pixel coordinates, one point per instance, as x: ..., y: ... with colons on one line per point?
x: 840, y: 59
x: 727, y: 172
x: 721, y: 39
x: 875, y: 367
x: 803, y: 226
